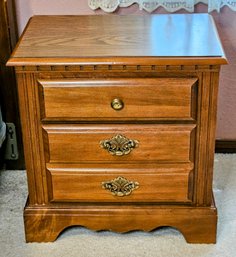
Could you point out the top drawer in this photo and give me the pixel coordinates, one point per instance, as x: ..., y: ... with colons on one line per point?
x: 118, y: 99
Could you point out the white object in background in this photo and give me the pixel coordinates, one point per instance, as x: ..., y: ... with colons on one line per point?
x: 169, y: 5
x: 2, y: 130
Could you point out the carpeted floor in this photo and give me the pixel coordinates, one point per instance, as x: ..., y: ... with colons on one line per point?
x: 80, y: 242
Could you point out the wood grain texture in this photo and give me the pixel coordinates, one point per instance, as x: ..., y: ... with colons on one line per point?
x: 157, y: 143
x: 32, y: 137
x: 208, y: 88
x: 148, y: 98
x: 212, y: 111
x: 106, y: 38
x: 198, y: 225
x: 155, y: 185
x: 174, y: 124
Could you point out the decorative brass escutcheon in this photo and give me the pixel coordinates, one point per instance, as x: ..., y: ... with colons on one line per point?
x: 117, y: 104
x: 120, y: 186
x: 119, y: 145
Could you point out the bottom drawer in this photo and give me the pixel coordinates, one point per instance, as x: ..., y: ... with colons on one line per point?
x: 165, y: 184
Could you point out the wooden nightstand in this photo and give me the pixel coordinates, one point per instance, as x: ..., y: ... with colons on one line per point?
x: 118, y: 117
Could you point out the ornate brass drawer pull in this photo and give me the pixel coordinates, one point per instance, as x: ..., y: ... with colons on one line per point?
x: 119, y: 145
x: 120, y: 186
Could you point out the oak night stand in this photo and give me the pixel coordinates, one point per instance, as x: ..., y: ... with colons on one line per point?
x: 118, y: 116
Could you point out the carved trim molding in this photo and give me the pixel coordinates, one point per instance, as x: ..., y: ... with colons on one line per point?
x: 115, y: 68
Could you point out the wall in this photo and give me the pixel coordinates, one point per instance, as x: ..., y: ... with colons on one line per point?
x: 226, y: 24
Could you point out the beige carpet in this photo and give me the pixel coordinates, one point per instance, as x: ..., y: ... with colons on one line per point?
x: 80, y: 242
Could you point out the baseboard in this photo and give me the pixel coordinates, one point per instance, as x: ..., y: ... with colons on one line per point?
x: 225, y: 146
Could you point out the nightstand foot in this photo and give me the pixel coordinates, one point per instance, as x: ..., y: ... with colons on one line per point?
x: 197, y: 224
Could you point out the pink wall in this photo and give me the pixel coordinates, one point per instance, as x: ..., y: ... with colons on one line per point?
x: 226, y: 24
x: 226, y: 126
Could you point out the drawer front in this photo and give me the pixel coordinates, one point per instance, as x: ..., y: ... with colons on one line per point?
x: 123, y: 99
x: 118, y: 143
x: 125, y: 185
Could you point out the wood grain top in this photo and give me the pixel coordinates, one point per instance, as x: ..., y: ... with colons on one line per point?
x: 117, y: 39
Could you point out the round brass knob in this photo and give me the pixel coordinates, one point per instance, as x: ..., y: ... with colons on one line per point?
x: 117, y: 104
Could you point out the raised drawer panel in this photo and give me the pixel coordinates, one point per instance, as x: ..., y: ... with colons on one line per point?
x: 143, y: 99
x: 154, y: 143
x: 89, y: 185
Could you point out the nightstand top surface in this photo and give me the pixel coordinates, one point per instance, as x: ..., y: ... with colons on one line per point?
x: 119, y: 39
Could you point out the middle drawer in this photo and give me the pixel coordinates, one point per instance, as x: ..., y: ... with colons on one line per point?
x: 118, y: 143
